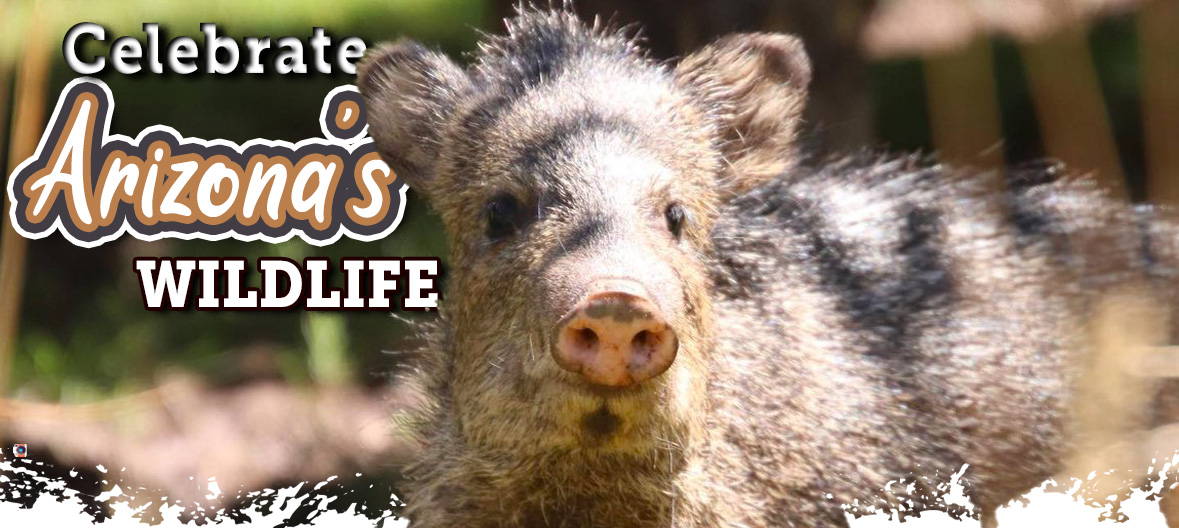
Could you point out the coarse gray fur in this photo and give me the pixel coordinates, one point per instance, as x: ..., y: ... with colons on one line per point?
x: 843, y: 323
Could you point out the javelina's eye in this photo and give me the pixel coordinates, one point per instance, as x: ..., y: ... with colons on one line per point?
x: 503, y: 216
x: 675, y: 216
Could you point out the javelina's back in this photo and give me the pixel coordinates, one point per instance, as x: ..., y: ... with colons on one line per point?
x: 902, y: 320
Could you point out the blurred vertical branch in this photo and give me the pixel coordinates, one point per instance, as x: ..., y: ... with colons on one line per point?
x: 5, y: 80
x: 1070, y: 106
x: 27, y: 122
x: 325, y: 334
x: 1158, y: 37
x: 964, y: 106
x: 5, y: 341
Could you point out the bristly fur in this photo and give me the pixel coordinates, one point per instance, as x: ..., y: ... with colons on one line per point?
x: 842, y: 323
x: 552, y: 37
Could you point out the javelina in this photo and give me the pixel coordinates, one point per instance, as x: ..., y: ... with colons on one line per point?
x: 659, y: 314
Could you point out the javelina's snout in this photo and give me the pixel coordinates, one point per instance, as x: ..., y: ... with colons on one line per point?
x: 615, y: 336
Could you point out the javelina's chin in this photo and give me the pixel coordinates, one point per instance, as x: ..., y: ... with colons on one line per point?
x: 609, y: 418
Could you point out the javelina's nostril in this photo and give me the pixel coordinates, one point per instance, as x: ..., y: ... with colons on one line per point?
x: 643, y: 344
x: 615, y: 338
x: 586, y: 339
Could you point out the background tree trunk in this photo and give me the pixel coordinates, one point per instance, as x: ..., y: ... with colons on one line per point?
x: 27, y: 124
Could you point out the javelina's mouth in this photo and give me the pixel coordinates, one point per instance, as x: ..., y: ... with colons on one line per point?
x: 606, y: 392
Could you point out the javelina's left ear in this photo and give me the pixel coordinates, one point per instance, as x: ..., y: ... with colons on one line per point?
x: 754, y: 87
x: 409, y: 93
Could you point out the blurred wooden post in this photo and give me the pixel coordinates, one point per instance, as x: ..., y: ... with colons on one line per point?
x: 28, y: 121
x: 1070, y: 107
x: 1158, y: 42
x: 964, y: 106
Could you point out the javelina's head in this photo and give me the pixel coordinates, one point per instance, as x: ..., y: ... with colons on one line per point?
x: 578, y: 182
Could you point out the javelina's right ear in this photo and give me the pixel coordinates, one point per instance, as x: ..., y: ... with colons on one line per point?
x: 753, y: 86
x: 409, y: 92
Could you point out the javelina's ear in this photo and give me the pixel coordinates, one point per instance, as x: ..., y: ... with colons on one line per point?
x: 409, y: 92
x: 754, y: 87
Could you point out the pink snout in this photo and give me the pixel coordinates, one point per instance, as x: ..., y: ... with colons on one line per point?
x: 615, y: 337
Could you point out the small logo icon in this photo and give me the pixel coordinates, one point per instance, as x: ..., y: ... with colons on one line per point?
x: 20, y: 450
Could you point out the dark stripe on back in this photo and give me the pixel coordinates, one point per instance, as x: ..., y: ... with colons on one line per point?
x: 1033, y: 221
x: 889, y: 306
x: 1144, y: 217
x: 880, y: 305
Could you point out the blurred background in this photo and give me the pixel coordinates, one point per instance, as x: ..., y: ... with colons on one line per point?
x: 88, y: 377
